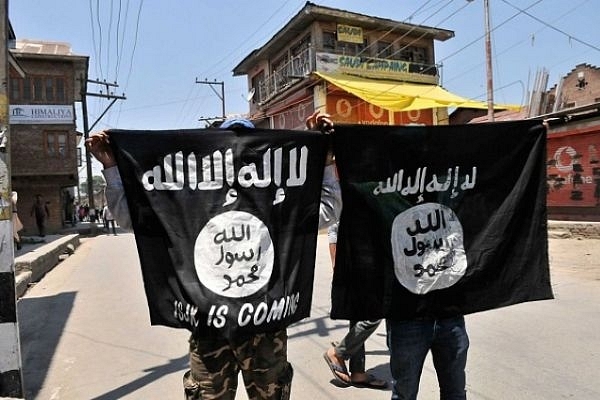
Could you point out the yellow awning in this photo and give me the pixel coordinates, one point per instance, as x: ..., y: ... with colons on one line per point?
x: 402, y: 96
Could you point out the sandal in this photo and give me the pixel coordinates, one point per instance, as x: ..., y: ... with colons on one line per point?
x: 338, y: 370
x: 371, y: 383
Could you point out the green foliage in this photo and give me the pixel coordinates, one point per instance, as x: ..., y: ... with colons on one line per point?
x: 98, y: 185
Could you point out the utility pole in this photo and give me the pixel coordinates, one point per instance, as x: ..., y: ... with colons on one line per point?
x: 488, y: 58
x: 11, y: 378
x: 220, y: 96
x: 86, y: 129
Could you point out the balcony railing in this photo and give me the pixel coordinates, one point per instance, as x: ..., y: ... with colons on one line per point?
x: 300, y: 66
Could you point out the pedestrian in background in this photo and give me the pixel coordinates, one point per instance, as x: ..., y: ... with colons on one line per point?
x: 109, y: 221
x: 17, y: 224
x: 352, y: 346
x: 39, y: 210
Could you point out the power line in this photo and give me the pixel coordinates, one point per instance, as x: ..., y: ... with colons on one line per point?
x: 110, y: 20
x: 571, y: 37
x: 96, y: 58
x: 245, y: 42
x: 100, y: 36
x: 120, y: 48
x: 137, y: 28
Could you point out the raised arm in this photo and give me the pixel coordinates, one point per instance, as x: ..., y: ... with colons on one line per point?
x: 331, y: 196
x: 99, y: 145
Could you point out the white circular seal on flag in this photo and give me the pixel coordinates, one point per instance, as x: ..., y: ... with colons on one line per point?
x: 234, y: 254
x: 428, y: 248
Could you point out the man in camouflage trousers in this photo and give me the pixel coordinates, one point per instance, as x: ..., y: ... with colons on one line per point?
x: 266, y: 372
x: 215, y: 361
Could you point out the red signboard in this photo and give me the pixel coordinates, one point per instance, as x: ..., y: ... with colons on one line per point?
x: 294, y: 116
x: 346, y: 108
x: 573, y: 175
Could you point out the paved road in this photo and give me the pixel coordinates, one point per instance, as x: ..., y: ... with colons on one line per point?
x: 85, y: 335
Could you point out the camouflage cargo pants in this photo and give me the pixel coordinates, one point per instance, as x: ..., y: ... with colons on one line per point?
x: 215, y: 363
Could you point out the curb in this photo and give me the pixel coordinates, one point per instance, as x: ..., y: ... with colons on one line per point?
x: 573, y: 230
x: 31, y: 267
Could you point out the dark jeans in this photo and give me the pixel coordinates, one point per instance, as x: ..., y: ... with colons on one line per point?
x: 410, y: 341
x: 41, y: 225
x: 108, y: 223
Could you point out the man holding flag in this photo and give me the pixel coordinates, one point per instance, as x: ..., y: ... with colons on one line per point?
x: 226, y: 344
x: 438, y: 222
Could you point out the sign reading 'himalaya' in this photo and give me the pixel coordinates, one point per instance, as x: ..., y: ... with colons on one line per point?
x: 41, y: 114
x: 440, y: 221
x: 225, y: 224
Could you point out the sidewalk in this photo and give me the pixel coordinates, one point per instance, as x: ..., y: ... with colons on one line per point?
x: 38, y: 255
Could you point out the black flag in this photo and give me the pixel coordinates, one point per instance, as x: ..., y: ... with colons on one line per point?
x: 225, y: 224
x: 440, y: 221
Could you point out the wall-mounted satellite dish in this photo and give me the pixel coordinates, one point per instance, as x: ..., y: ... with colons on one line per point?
x: 250, y: 94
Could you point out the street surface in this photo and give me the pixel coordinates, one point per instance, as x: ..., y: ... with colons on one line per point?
x: 85, y: 334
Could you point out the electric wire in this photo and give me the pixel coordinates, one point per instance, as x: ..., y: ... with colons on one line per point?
x: 135, y: 39
x: 513, y: 45
x: 569, y: 36
x: 108, y: 36
x: 246, y: 38
x: 95, y: 47
x: 119, y: 46
x: 99, y: 36
x: 361, y: 102
x: 412, y: 16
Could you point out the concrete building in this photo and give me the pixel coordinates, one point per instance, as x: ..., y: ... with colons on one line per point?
x: 580, y: 87
x: 45, y: 82
x: 358, y: 68
x: 572, y: 109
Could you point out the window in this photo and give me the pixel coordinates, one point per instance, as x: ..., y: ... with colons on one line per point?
x: 51, y: 144
x: 60, y: 90
x: 384, y: 49
x: 278, y: 72
x: 331, y: 44
x: 258, y: 94
x: 414, y: 54
x: 56, y: 144
x: 27, y: 90
x: 301, y: 47
x: 15, y: 89
x: 301, y: 58
x: 38, y: 89
x: 329, y: 41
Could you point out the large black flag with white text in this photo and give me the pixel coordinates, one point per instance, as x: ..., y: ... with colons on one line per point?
x: 440, y: 220
x: 225, y: 223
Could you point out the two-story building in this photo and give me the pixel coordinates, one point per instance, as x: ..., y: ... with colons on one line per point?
x: 357, y: 68
x: 43, y: 89
x: 573, y: 151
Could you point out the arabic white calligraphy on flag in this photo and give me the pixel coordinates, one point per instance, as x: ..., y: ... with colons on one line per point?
x: 440, y: 221
x: 225, y: 224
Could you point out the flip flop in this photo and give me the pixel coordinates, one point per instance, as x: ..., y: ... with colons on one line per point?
x: 337, y: 369
x: 371, y: 383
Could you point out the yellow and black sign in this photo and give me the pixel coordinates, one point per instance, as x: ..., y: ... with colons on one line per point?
x: 351, y: 34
